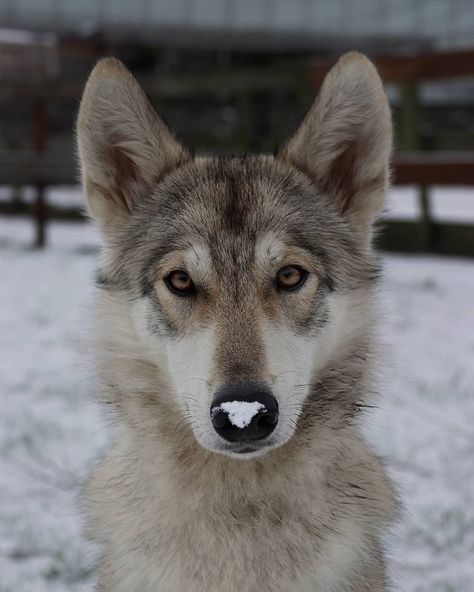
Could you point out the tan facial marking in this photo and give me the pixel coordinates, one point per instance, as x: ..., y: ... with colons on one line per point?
x: 271, y: 255
x: 199, y: 264
x: 185, y: 313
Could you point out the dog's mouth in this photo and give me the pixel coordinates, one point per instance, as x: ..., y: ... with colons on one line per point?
x: 245, y: 450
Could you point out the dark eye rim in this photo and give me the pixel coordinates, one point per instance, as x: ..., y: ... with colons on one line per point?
x: 304, y: 276
x: 177, y: 291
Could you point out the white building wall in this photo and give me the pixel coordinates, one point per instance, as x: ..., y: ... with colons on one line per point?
x: 449, y: 22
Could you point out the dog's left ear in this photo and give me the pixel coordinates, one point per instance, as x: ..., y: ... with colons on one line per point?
x: 124, y: 146
x: 344, y: 143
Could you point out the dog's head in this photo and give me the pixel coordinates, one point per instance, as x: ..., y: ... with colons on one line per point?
x: 245, y: 279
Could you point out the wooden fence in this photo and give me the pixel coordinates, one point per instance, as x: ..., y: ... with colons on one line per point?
x: 424, y: 234
x: 42, y: 167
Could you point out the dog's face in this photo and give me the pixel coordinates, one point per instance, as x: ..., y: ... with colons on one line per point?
x: 244, y: 277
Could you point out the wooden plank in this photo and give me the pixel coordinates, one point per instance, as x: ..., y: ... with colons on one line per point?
x: 393, y: 235
x: 63, y: 213
x: 412, y: 68
x: 407, y: 169
x: 434, y: 169
x: 238, y: 80
x: 169, y: 86
x: 407, y: 236
x: 25, y: 168
x: 264, y: 39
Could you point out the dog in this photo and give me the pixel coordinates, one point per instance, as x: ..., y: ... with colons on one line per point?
x: 235, y: 347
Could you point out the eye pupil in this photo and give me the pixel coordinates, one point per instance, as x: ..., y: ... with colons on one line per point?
x: 180, y: 278
x: 179, y: 282
x: 290, y: 277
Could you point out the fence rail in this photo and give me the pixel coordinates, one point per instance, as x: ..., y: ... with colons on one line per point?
x: 415, y: 168
x: 441, y: 169
x: 432, y: 65
x: 434, y: 168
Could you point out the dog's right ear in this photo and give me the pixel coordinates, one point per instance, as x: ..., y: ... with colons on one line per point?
x: 124, y: 147
x: 345, y: 140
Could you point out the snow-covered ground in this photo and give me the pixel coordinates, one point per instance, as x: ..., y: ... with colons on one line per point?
x: 50, y: 432
x: 449, y: 204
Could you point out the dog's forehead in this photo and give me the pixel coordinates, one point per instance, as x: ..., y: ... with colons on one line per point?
x: 251, y: 200
x: 231, y: 207
x: 230, y: 204
x: 241, y: 194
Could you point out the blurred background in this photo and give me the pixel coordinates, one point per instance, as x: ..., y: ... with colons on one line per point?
x: 235, y: 76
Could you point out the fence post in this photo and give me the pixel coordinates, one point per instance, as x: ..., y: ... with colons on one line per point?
x: 409, y: 140
x: 39, y: 142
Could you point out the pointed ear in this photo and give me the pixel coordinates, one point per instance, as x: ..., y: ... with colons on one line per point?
x: 123, y: 145
x: 344, y: 143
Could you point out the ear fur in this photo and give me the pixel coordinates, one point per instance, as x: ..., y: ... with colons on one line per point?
x: 345, y: 140
x: 123, y: 145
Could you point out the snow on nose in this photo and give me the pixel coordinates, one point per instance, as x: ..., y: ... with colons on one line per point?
x: 239, y: 413
x: 244, y: 412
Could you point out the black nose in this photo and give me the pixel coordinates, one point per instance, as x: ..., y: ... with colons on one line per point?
x: 244, y: 412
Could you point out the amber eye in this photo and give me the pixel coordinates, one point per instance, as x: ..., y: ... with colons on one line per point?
x: 180, y: 283
x: 291, y: 277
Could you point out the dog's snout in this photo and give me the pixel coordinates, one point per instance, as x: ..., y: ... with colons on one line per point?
x: 244, y: 412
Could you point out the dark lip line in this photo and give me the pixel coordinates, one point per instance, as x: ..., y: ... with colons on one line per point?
x: 247, y: 450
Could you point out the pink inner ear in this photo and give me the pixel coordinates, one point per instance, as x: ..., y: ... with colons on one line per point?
x: 126, y: 176
x: 340, y: 181
x: 124, y: 173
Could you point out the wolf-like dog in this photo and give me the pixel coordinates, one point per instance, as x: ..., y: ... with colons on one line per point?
x: 235, y: 347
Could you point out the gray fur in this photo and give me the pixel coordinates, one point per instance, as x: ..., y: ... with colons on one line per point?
x: 174, y: 509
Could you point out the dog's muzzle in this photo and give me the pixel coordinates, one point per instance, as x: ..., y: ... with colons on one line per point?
x: 244, y: 413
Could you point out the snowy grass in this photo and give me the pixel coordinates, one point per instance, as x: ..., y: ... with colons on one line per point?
x: 50, y: 433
